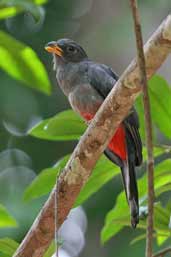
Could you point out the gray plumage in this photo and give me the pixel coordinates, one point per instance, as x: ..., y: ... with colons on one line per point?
x: 86, y: 84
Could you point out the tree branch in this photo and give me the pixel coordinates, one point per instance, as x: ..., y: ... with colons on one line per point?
x: 92, y: 144
x: 148, y: 126
x: 162, y: 252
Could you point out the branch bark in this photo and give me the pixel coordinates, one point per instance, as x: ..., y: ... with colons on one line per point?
x: 148, y: 126
x: 94, y: 141
x: 162, y: 252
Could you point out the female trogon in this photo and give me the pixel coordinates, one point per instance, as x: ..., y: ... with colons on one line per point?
x: 86, y: 84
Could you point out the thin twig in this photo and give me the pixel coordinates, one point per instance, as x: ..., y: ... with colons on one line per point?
x: 162, y: 252
x: 166, y: 148
x: 56, y: 217
x: 93, y: 143
x: 148, y: 125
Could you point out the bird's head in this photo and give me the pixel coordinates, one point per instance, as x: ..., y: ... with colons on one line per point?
x: 66, y: 50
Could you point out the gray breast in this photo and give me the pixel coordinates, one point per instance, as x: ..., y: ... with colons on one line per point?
x: 71, y: 75
x: 74, y: 82
x: 85, y: 99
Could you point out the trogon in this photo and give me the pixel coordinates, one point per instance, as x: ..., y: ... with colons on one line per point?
x: 86, y: 84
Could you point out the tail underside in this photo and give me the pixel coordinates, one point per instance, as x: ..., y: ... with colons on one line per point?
x: 130, y: 186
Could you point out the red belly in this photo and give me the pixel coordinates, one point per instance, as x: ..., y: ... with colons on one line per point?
x: 117, y: 144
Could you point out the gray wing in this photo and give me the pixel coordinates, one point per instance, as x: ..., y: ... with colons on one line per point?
x: 102, y: 78
x: 109, y: 71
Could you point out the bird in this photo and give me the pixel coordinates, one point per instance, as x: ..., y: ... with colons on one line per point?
x: 86, y: 84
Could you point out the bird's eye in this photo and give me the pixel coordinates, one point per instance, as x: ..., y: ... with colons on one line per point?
x: 71, y: 49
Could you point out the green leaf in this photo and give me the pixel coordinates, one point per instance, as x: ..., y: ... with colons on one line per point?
x: 22, y: 63
x: 160, y: 98
x: 161, y: 218
x: 8, y: 246
x: 45, y: 181
x: 10, y: 8
x: 42, y: 184
x: 160, y: 236
x: 104, y: 171
x: 138, y: 238
x: 157, y: 150
x: 119, y: 216
x: 52, y: 248
x: 65, y: 125
x: 161, y: 178
x: 116, y: 221
x: 6, y: 220
x: 39, y: 131
x: 163, y: 189
x: 7, y: 12
x: 161, y: 239
x: 111, y: 227
x: 161, y: 223
x: 50, y: 251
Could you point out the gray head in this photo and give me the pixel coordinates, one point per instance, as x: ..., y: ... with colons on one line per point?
x: 66, y: 50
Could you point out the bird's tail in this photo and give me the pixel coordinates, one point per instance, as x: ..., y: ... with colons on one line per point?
x: 130, y: 186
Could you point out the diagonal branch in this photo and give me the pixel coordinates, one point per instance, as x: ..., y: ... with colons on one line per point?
x: 162, y: 252
x: 148, y: 126
x: 92, y: 144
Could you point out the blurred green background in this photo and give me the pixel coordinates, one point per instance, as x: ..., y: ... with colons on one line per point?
x: 105, y: 30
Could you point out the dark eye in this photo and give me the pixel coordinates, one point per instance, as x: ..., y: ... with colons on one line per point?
x: 71, y: 49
